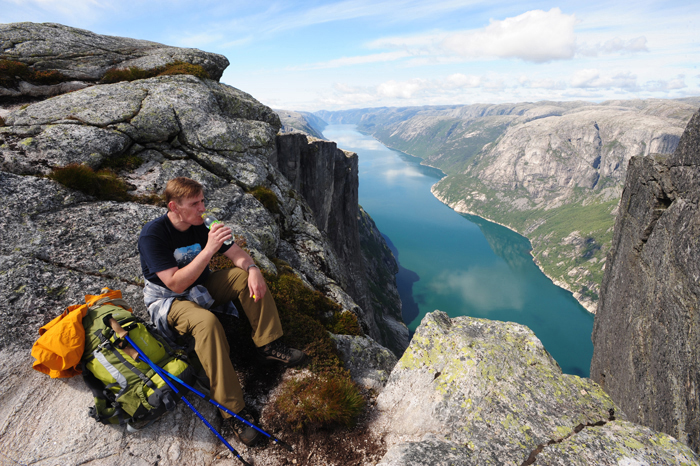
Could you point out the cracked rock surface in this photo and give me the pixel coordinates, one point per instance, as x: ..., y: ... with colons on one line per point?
x: 646, y: 334
x: 478, y: 392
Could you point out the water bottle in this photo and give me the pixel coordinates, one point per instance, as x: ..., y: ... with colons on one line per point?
x: 209, y: 220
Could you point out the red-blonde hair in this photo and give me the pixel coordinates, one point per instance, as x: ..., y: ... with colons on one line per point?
x: 181, y: 188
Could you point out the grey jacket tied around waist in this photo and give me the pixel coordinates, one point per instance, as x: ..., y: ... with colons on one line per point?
x: 158, y: 300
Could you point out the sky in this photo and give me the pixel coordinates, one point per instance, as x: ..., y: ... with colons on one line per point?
x: 332, y: 55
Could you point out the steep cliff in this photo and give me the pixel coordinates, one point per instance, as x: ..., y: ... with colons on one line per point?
x: 328, y: 178
x: 59, y: 243
x: 646, y: 337
x: 551, y: 171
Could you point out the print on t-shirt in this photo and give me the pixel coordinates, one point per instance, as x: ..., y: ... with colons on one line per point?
x: 186, y: 254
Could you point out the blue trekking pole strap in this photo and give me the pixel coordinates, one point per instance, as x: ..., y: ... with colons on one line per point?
x: 165, y: 375
x: 159, y: 371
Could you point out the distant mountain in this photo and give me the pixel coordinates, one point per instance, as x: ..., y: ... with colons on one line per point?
x: 303, y: 122
x: 552, y: 171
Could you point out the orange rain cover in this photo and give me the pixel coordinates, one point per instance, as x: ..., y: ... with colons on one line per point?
x: 61, y: 342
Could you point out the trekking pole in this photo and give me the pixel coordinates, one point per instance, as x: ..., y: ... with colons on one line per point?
x: 124, y: 334
x: 165, y: 374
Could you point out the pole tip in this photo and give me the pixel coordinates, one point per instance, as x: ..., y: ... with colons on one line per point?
x: 285, y: 445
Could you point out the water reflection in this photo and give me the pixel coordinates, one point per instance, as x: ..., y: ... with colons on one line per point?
x: 508, y: 245
x: 485, y: 289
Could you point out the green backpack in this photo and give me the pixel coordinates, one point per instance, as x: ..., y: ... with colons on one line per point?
x: 128, y: 391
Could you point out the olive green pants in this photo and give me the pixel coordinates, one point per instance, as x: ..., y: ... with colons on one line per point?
x: 211, y: 345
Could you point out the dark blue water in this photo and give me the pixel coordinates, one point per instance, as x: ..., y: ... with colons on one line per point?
x: 461, y: 264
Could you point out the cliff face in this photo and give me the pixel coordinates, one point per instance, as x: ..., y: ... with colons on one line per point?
x: 327, y: 178
x: 59, y: 244
x: 646, y: 337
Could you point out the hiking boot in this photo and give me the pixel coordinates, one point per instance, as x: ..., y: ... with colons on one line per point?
x: 244, y: 432
x: 278, y: 351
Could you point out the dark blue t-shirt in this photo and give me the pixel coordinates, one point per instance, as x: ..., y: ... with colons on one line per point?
x: 162, y: 247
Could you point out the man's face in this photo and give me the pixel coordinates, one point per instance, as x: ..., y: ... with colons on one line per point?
x: 191, y: 209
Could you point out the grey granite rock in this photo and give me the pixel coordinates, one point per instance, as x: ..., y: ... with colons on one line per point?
x: 478, y: 392
x: 369, y: 363
x: 646, y: 337
x: 86, y: 56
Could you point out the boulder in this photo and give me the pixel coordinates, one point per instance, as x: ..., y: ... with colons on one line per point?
x: 479, y: 392
x: 646, y: 338
x: 369, y: 363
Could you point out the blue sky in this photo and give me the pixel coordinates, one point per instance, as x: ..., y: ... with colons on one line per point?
x: 313, y: 55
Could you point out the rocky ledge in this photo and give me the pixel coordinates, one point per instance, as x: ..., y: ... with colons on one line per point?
x: 478, y: 392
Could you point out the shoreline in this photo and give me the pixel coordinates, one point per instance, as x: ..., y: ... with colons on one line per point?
x: 589, y: 307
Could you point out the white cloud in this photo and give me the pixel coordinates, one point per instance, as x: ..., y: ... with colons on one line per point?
x: 401, y: 89
x: 536, y: 36
x: 461, y: 81
x: 592, y: 78
x: 349, y: 61
x: 670, y: 85
x: 615, y: 45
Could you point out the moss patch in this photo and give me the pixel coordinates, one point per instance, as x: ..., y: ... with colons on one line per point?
x: 133, y: 73
x: 267, y: 198
x: 103, y: 184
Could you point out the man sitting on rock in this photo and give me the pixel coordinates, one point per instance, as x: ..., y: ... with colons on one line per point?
x: 180, y: 289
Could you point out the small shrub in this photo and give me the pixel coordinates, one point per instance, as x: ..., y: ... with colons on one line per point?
x: 267, y: 198
x: 185, y: 68
x: 47, y: 77
x: 323, y: 401
x: 12, y: 71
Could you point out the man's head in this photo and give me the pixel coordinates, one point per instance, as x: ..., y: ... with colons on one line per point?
x: 185, y: 200
x: 181, y: 188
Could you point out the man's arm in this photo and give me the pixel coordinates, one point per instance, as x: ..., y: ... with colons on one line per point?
x: 178, y: 280
x: 241, y: 259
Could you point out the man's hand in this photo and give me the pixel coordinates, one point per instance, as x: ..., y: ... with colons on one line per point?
x: 256, y: 284
x: 216, y: 237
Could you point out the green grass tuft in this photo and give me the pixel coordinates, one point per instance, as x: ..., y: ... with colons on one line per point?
x: 267, y: 198
x: 322, y: 401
